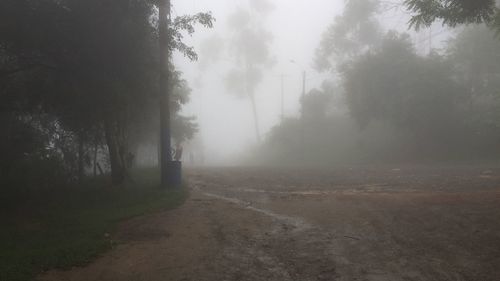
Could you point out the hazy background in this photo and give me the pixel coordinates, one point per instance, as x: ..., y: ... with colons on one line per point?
x: 225, y: 122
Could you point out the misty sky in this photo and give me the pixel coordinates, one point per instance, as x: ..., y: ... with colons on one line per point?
x: 226, y: 126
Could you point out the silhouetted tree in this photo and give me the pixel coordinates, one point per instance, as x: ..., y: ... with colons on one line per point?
x: 351, y: 33
x: 249, y: 46
x: 393, y: 84
x: 92, y: 66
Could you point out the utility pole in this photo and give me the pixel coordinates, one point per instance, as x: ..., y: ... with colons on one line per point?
x: 303, y: 84
x: 282, y: 98
x: 303, y: 125
x: 302, y: 122
x: 164, y: 41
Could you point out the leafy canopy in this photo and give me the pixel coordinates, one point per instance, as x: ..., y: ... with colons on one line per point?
x: 453, y: 12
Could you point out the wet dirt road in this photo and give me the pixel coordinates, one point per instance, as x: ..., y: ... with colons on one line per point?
x: 342, y: 224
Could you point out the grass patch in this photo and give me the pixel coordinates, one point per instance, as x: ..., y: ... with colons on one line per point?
x: 66, y: 227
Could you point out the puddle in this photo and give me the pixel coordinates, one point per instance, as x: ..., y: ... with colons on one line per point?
x: 297, y: 223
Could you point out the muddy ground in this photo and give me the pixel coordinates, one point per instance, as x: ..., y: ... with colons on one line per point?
x: 360, y: 223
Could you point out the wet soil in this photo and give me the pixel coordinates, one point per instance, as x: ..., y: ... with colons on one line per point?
x: 358, y: 223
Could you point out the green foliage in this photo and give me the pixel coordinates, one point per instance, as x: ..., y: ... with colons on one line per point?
x: 406, y: 107
x: 316, y: 104
x: 474, y: 54
x: 332, y: 140
x: 144, y: 129
x: 90, y: 68
x: 67, y: 227
x: 249, y: 46
x: 394, y: 85
x: 186, y: 23
x: 453, y: 12
x: 350, y: 34
x: 401, y: 106
x: 92, y: 60
x: 28, y: 155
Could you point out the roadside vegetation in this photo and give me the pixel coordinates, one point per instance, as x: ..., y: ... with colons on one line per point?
x: 80, y: 103
x: 387, y: 100
x: 69, y: 226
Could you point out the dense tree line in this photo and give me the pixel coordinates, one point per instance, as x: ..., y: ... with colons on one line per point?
x: 79, y: 86
x: 399, y: 105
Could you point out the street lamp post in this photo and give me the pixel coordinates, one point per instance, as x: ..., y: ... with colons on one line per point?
x: 302, y: 120
x: 282, y: 98
x: 170, y: 170
x: 303, y: 84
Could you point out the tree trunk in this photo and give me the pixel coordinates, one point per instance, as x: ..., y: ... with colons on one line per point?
x: 117, y: 169
x: 81, y: 157
x: 101, y: 172
x: 255, y: 117
x: 164, y: 40
x: 96, y: 148
x: 249, y: 89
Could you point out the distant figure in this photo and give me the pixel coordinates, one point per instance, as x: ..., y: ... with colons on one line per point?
x: 178, y: 152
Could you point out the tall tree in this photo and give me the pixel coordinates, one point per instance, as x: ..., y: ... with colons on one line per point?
x: 93, y: 65
x: 474, y: 54
x: 393, y: 84
x: 249, y: 46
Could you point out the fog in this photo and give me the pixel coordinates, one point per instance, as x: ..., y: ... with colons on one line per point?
x: 250, y: 140
x: 225, y: 121
x: 226, y: 126
x: 249, y: 82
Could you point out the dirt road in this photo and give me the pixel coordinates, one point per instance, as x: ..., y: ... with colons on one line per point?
x: 424, y: 223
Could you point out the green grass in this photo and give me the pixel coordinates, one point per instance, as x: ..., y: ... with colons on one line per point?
x: 66, y: 227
